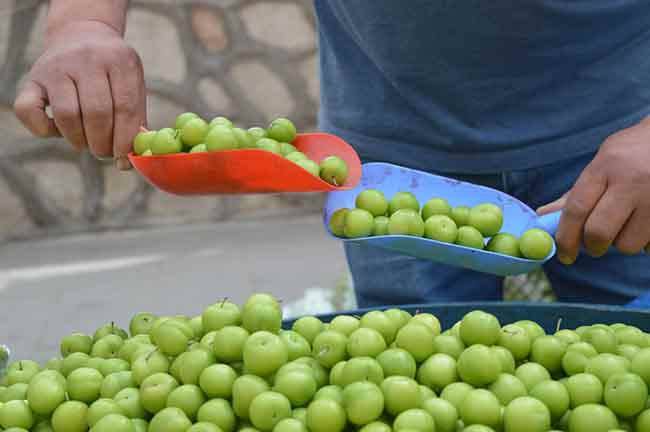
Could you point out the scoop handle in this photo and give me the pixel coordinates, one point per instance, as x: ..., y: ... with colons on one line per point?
x: 549, y: 222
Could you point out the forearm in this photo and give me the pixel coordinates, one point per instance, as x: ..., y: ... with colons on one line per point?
x: 62, y: 13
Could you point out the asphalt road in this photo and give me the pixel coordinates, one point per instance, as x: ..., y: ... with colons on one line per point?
x: 51, y: 288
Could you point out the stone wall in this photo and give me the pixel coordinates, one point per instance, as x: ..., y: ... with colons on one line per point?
x: 246, y: 59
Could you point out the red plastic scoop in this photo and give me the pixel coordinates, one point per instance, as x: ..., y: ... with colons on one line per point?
x: 248, y: 171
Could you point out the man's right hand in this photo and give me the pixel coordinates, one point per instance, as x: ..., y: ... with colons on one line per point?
x: 94, y: 83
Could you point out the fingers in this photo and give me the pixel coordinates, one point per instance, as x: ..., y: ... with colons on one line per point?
x: 580, y: 202
x: 554, y: 206
x: 30, y: 109
x: 129, y: 100
x: 97, y: 112
x: 606, y: 221
x: 635, y: 235
x: 67, y: 112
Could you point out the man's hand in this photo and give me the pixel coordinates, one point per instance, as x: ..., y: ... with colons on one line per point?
x: 610, y: 202
x: 94, y: 83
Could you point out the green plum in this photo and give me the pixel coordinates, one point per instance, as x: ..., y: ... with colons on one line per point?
x: 441, y: 228
x: 554, y: 395
x: 626, y: 394
x: 592, y: 418
x: 583, y: 389
x: 526, y: 414
x: 329, y: 348
x: 478, y: 327
x: 400, y: 394
x: 257, y: 133
x: 363, y: 402
x: 380, y: 226
x: 194, y: 131
x: 372, y: 200
x: 417, y: 339
x: 358, y: 223
x: 296, y: 156
x: 337, y: 222
x: 282, y: 130
x: 487, y: 218
x: 220, y: 121
x: 549, y: 352
x: 403, y: 200
x: 516, y: 340
x: 243, y: 138
x: 269, y: 144
x: 478, y: 365
x: 471, y: 237
x: 345, y: 324
x: 536, y: 244
x: 505, y: 244
x: 199, y: 148
x: 531, y: 374
x: 142, y: 141
x: 397, y: 362
x: 286, y: 149
x: 334, y: 170
x: 460, y: 215
x: 436, y: 206
x: 166, y: 141
x: 437, y: 372
x: 507, y: 387
x: 183, y: 118
x: 219, y: 138
x: 310, y: 166
x: 480, y: 406
x: 406, y: 222
x: 308, y: 327
x: 415, y: 419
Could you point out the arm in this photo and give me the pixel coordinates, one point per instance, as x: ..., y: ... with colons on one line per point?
x: 66, y: 12
x: 92, y: 80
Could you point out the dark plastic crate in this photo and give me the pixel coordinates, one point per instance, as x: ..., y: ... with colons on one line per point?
x: 546, y: 314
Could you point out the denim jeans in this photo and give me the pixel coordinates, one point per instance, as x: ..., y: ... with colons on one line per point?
x: 386, y: 278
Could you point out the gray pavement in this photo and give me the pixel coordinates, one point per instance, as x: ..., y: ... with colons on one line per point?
x: 50, y: 288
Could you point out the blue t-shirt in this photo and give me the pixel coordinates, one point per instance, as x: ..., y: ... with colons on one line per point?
x: 482, y: 86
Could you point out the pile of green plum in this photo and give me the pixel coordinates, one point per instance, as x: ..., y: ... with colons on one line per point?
x: 374, y: 215
x: 234, y: 368
x: 192, y: 134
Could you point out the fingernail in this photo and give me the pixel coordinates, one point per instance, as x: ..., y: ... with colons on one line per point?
x: 122, y: 163
x: 565, y: 259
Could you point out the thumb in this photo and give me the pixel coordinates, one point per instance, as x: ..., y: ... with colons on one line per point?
x: 30, y: 110
x: 554, y: 206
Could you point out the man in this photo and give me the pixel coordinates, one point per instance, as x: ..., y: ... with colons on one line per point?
x: 544, y: 99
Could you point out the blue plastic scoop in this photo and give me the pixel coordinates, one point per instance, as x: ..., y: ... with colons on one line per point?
x: 390, y: 179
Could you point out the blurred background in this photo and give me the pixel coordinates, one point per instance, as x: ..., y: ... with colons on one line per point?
x: 82, y: 244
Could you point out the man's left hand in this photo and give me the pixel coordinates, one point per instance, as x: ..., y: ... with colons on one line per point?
x: 610, y: 202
